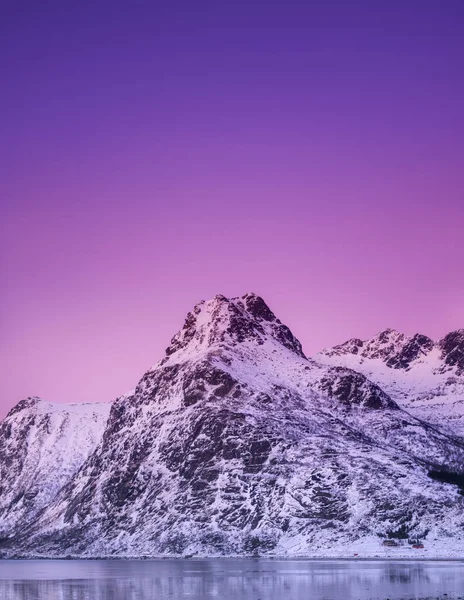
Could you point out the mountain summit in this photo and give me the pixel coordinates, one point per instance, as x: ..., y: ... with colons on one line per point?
x: 235, y: 443
x: 223, y: 321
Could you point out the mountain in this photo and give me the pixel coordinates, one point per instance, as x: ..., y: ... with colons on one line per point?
x: 235, y: 443
x: 42, y: 445
x: 423, y: 376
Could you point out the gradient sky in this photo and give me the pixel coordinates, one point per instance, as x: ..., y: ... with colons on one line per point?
x: 153, y: 154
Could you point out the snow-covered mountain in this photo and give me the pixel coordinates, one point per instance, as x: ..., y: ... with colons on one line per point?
x: 42, y: 445
x: 236, y: 443
x: 424, y: 377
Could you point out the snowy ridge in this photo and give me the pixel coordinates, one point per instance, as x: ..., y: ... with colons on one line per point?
x: 42, y: 445
x: 235, y: 443
x: 424, y: 377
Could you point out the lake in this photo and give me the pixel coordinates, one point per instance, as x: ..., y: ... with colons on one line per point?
x: 230, y: 579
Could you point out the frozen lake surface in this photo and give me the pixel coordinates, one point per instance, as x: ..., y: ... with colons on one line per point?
x: 230, y: 579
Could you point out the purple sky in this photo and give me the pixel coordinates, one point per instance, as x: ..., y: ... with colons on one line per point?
x: 154, y: 154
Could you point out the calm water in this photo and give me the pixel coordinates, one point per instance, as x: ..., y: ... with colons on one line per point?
x: 230, y: 579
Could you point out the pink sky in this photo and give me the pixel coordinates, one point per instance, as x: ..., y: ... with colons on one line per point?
x: 314, y: 157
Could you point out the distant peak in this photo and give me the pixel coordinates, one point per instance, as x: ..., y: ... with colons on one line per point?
x: 25, y: 404
x: 386, y: 335
x: 457, y: 334
x: 394, y: 348
x: 452, y: 347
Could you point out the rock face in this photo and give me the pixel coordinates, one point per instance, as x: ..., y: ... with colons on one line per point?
x: 236, y: 443
x: 452, y: 351
x: 42, y: 445
x: 424, y: 377
x: 395, y: 349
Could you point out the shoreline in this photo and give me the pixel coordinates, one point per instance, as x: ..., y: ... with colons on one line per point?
x: 247, y: 557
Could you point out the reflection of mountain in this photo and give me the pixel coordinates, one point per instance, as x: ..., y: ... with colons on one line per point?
x: 235, y: 443
x: 405, y: 574
x: 240, y: 579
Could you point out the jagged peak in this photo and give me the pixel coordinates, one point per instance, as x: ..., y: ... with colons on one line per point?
x: 351, y: 346
x: 223, y: 320
x: 457, y: 334
x: 452, y: 349
x: 385, y: 344
x: 31, y: 402
x: 396, y: 349
x: 386, y: 336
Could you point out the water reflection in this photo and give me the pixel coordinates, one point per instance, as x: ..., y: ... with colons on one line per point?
x: 234, y: 579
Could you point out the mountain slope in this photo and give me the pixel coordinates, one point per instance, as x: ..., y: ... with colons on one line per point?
x: 236, y: 443
x: 42, y: 445
x: 424, y: 377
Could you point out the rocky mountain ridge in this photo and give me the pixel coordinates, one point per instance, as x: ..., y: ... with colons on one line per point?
x: 42, y: 445
x: 236, y: 443
x: 423, y: 376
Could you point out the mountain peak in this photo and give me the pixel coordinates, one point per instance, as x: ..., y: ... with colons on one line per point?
x: 387, y: 335
x: 256, y: 306
x: 394, y: 348
x: 230, y: 321
x: 24, y: 404
x: 452, y: 347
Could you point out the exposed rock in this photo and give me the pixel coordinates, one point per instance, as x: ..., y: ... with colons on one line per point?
x: 353, y: 389
x: 452, y: 346
x: 235, y: 443
x: 42, y: 445
x: 422, y: 376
